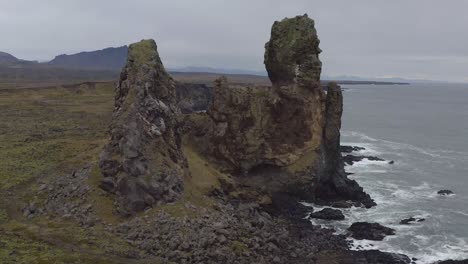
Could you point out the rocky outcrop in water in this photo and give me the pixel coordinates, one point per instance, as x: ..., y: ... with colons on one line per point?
x: 370, y: 231
x: 328, y: 214
x: 143, y: 163
x: 332, y: 182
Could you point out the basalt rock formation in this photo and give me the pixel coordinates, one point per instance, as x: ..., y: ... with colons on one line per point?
x: 283, y: 138
x: 279, y: 139
x: 291, y: 55
x: 192, y: 97
x: 143, y: 163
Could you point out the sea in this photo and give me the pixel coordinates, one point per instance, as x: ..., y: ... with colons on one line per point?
x: 423, y: 128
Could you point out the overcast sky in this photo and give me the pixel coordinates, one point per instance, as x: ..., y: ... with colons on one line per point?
x: 425, y: 39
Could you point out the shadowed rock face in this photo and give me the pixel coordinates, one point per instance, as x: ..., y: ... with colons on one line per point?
x: 291, y: 55
x: 143, y: 162
x: 332, y: 182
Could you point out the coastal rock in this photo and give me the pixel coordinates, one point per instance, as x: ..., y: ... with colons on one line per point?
x: 286, y: 206
x: 465, y: 261
x: 379, y: 257
x: 411, y: 220
x: 370, y: 231
x: 328, y: 214
x: 349, y: 149
x: 284, y: 138
x: 270, y: 134
x: 351, y: 159
x: 143, y: 161
x: 361, y: 257
x: 332, y: 181
x: 291, y: 55
x: 445, y: 192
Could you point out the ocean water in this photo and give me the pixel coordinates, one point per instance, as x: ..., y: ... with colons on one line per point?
x: 424, y: 129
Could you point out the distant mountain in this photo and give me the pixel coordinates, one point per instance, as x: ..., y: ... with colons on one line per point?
x: 381, y: 80
x: 8, y: 59
x: 111, y: 59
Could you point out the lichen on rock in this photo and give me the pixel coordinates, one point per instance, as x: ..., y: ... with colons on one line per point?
x: 143, y: 163
x: 292, y: 54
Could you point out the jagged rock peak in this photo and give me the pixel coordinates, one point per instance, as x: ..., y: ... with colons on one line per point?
x: 292, y: 54
x: 143, y: 163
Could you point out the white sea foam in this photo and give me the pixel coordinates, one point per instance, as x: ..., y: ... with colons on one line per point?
x: 398, y: 199
x: 379, y: 146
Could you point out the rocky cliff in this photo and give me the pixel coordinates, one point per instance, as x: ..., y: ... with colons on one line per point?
x: 283, y: 138
x: 143, y: 163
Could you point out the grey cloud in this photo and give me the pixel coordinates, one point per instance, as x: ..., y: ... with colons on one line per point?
x: 362, y: 37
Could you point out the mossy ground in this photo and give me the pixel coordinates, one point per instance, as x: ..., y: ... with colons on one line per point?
x: 49, y: 132
x: 45, y: 133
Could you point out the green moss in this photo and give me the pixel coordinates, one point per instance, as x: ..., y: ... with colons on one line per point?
x: 306, y: 161
x: 239, y: 247
x: 52, y: 242
x: 50, y: 130
x: 3, y: 216
x: 102, y: 201
x: 143, y: 51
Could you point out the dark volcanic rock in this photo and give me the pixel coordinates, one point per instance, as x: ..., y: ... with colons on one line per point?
x: 143, y: 158
x: 361, y: 257
x: 287, y: 206
x: 445, y: 192
x: 379, y: 257
x: 291, y: 55
x: 193, y: 97
x: 465, y: 261
x: 349, y: 149
x: 255, y: 129
x: 411, y: 220
x: 350, y: 159
x: 333, y: 183
x: 370, y: 231
x: 328, y: 214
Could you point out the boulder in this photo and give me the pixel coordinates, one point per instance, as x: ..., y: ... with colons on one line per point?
x: 143, y: 163
x: 445, y: 192
x: 328, y: 214
x: 411, y: 220
x: 351, y: 159
x: 450, y: 261
x: 369, y: 231
x: 349, y: 149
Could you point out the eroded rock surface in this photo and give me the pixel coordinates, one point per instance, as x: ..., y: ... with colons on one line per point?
x: 143, y: 162
x: 291, y: 55
x: 370, y: 231
x: 283, y: 138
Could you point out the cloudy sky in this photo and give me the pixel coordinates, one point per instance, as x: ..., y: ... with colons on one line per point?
x: 424, y: 39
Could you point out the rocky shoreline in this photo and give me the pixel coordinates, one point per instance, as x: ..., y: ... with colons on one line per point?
x: 226, y: 185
